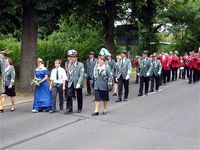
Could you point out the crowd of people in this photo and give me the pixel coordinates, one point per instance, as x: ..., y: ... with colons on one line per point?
x: 103, y: 74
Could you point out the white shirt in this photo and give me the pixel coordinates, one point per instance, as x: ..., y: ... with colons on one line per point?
x: 61, y: 75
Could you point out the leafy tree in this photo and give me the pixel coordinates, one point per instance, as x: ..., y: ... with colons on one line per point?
x: 185, y: 17
x: 28, y: 15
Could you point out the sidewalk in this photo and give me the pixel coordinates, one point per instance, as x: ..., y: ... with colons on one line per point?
x: 18, y: 100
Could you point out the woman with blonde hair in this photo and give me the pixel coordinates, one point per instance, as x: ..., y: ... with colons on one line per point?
x: 42, y: 94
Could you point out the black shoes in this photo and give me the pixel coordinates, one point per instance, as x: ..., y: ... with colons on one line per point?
x: 12, y: 110
x: 119, y: 100
x: 125, y: 99
x: 79, y: 111
x: 104, y: 113
x: 140, y: 94
x: 1, y: 111
x: 115, y: 94
x: 68, y: 112
x: 95, y: 114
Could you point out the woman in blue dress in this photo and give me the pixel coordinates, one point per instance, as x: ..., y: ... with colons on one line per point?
x: 42, y: 95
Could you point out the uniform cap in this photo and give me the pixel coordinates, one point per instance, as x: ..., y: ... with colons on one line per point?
x: 72, y: 53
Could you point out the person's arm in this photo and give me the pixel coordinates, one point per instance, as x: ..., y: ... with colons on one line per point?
x: 80, y: 80
x: 44, y: 79
x: 64, y: 79
x: 12, y: 80
x: 85, y: 69
x: 150, y: 68
x: 160, y: 68
x: 51, y: 84
x: 51, y: 79
x: 129, y: 69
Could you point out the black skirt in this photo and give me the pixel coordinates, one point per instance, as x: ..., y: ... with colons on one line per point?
x: 10, y: 92
x: 101, y: 95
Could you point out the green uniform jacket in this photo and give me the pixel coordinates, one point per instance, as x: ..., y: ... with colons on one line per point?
x: 75, y: 74
x: 145, y: 66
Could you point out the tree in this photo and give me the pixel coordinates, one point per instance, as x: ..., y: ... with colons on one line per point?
x: 103, y: 14
x: 185, y: 18
x: 28, y: 15
x: 29, y: 44
x: 147, y: 12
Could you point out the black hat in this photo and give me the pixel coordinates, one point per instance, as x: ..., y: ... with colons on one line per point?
x: 145, y: 52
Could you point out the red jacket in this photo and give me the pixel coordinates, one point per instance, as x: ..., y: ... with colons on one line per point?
x: 191, y: 61
x: 165, y: 61
x: 184, y: 60
x: 181, y: 63
x: 175, y: 61
x: 198, y: 62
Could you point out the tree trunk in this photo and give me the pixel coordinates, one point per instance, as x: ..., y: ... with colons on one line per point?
x: 29, y: 46
x: 108, y: 25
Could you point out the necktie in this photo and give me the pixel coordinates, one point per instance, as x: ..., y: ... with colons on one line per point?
x: 57, y: 77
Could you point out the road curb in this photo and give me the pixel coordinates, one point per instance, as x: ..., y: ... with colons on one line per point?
x: 20, y: 102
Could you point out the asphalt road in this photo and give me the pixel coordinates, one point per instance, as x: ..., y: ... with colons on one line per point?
x: 166, y: 120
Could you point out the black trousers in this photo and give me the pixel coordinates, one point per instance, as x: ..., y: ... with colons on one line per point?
x: 66, y: 90
x: 137, y: 78
x: 57, y: 90
x: 122, y: 82
x: 88, y: 85
x: 186, y: 70
x: 144, y: 80
x: 164, y: 75
x: 174, y: 73
x: 182, y: 73
x: 168, y: 73
x: 192, y: 74
x: 155, y: 79
x: 198, y: 75
x: 70, y: 94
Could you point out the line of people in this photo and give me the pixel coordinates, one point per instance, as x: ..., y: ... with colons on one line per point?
x: 158, y: 69
x: 102, y: 75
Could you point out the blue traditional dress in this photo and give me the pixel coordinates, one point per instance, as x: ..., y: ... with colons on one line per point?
x: 42, y: 95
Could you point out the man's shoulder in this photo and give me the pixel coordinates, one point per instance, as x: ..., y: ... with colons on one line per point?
x: 61, y: 68
x: 80, y: 64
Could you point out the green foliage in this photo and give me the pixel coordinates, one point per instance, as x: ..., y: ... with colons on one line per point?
x: 70, y: 36
x: 185, y: 17
x: 10, y: 43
